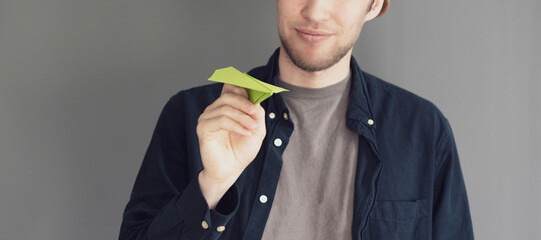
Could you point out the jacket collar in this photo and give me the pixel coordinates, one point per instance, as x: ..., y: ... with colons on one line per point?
x: 359, y: 115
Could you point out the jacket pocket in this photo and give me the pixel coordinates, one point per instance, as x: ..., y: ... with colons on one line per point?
x: 394, y: 220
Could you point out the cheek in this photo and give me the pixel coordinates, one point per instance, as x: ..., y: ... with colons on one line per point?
x: 352, y: 12
x: 287, y: 18
x: 287, y: 9
x: 351, y: 21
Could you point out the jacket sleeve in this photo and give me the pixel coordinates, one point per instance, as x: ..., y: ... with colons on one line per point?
x: 166, y: 203
x: 451, y: 214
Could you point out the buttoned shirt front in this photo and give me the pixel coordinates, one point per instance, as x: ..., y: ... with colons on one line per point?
x: 408, y: 182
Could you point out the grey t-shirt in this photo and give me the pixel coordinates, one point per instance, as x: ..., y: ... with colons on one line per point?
x: 314, y: 198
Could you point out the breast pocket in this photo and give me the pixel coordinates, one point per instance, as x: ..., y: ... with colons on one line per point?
x: 395, y: 220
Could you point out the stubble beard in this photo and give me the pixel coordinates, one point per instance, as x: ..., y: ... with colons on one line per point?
x: 319, y: 64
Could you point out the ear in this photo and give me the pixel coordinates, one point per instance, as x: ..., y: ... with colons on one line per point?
x: 375, y: 10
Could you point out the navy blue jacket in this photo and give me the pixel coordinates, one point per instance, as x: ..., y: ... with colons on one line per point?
x: 408, y: 182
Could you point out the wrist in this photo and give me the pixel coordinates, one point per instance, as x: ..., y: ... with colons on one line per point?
x: 210, y: 179
x: 214, y: 189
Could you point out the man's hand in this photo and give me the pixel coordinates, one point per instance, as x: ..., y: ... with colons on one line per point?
x: 230, y: 133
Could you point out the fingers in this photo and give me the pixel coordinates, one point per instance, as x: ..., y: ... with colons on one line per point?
x: 229, y: 88
x: 232, y: 111
x: 259, y: 114
x: 220, y: 123
x: 245, y: 120
x: 259, y: 117
x: 239, y: 102
x: 236, y: 97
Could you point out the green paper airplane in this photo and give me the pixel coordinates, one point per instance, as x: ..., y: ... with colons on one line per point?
x: 257, y: 90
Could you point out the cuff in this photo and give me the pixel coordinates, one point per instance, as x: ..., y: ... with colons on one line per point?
x: 199, y: 219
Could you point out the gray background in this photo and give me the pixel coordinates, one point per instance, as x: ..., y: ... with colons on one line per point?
x: 82, y: 84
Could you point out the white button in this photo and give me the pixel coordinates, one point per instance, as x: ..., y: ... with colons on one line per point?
x: 220, y: 229
x: 370, y: 122
x: 285, y: 116
x: 204, y: 224
x: 277, y: 142
x: 272, y: 115
x: 263, y: 199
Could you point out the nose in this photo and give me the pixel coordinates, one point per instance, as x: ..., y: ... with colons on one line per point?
x: 316, y: 10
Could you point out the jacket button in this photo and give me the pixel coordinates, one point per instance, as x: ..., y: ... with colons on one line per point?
x: 263, y: 199
x: 220, y: 229
x: 272, y: 115
x: 204, y: 224
x: 277, y: 142
x: 285, y: 116
x: 370, y: 122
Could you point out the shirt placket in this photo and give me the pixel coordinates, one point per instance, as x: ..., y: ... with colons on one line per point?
x: 279, y: 131
x: 368, y: 173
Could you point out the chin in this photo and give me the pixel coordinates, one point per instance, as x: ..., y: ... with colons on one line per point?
x: 313, y: 57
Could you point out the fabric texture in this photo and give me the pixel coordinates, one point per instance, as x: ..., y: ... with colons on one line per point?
x: 408, y: 180
x: 318, y: 169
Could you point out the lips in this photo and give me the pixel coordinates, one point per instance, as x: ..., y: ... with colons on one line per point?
x: 313, y: 36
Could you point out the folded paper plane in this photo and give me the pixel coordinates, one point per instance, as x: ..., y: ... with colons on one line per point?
x: 257, y: 90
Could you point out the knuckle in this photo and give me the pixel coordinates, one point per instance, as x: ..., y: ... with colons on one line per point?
x: 225, y: 97
x: 225, y: 109
x: 239, y: 90
x: 218, y: 101
x: 199, y: 129
x: 226, y: 87
x: 226, y: 94
x: 201, y: 118
x: 223, y: 119
x: 208, y: 108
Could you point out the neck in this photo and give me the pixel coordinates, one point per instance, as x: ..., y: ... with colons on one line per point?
x: 293, y: 75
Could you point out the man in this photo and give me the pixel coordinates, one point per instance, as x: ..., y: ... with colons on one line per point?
x: 343, y: 155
